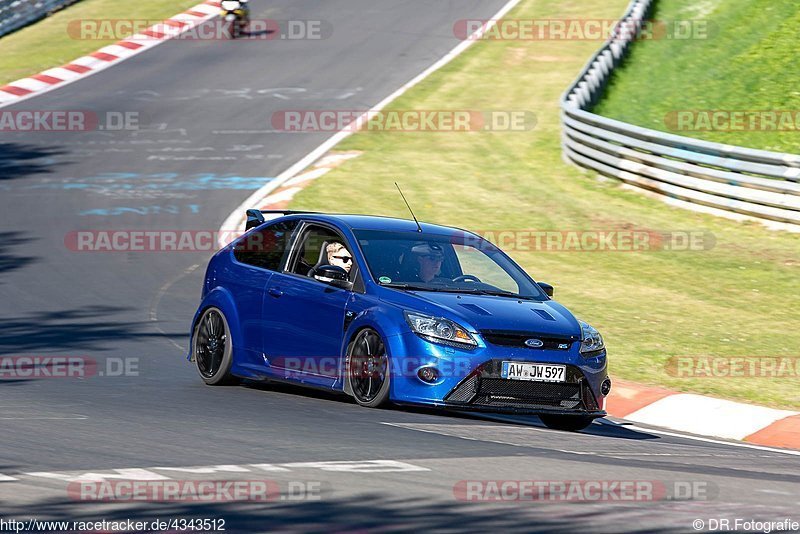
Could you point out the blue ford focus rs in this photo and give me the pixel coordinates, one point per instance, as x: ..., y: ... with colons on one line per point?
x: 394, y: 311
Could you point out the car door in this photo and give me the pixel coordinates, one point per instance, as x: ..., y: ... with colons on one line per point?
x: 258, y: 256
x: 303, y: 317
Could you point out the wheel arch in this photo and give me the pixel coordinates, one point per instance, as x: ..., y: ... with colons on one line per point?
x: 222, y: 299
x: 381, y: 321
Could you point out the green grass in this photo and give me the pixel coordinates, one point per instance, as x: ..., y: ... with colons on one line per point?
x: 748, y: 62
x: 48, y: 43
x: 739, y: 298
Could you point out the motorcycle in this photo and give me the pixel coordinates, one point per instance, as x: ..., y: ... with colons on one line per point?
x: 236, y: 15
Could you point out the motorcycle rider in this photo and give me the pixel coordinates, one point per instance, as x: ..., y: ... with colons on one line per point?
x: 239, y: 8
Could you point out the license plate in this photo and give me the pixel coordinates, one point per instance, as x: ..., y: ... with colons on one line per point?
x: 541, y: 372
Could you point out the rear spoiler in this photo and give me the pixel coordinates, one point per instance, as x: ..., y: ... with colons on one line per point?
x: 255, y: 217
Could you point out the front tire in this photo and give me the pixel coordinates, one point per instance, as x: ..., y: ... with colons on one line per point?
x: 569, y: 423
x: 368, y: 373
x: 212, y: 348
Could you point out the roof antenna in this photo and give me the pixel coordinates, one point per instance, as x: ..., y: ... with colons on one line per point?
x: 419, y: 228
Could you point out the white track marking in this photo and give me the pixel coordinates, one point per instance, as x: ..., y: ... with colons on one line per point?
x: 716, y: 441
x: 410, y: 426
x: 268, y: 467
x: 123, y: 474
x: 367, y: 466
x: 234, y: 220
x: 157, y: 301
x: 44, y: 418
x: 342, y: 466
x: 499, y: 442
x: 206, y: 470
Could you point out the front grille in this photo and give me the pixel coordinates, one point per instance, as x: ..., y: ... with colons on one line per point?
x: 517, y: 339
x: 532, y: 404
x: 492, y: 391
x: 466, y: 390
x: 486, y: 388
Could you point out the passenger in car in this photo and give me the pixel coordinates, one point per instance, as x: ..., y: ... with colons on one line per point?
x: 339, y: 256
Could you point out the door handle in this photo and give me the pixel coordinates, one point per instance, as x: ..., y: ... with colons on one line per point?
x: 275, y: 292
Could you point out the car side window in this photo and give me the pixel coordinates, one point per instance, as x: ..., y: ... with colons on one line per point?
x: 265, y: 247
x: 311, y: 249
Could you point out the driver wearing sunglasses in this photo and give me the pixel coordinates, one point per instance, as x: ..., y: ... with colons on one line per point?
x: 339, y: 256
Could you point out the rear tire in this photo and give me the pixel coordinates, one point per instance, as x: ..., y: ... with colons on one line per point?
x: 212, y: 348
x: 368, y: 375
x: 569, y: 423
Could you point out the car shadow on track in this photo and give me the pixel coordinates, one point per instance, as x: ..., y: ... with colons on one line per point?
x: 368, y: 512
x: 607, y: 429
x: 83, y: 329
x: 9, y: 260
x: 18, y: 160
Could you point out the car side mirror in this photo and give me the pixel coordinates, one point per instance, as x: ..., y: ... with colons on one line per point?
x: 333, y: 275
x: 547, y: 288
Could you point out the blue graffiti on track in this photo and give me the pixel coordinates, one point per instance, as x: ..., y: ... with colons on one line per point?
x: 110, y: 181
x: 170, y: 209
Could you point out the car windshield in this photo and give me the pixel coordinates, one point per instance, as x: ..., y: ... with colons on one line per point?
x: 462, y: 263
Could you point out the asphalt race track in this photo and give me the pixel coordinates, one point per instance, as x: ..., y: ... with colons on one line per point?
x: 205, y: 142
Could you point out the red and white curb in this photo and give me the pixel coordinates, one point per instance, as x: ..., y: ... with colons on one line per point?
x: 705, y: 416
x: 108, y: 55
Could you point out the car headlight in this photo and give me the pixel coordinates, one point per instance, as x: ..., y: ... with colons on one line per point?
x: 591, y: 340
x: 440, y: 330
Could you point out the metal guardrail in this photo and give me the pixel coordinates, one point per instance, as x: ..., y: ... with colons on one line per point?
x: 15, y: 14
x: 757, y: 183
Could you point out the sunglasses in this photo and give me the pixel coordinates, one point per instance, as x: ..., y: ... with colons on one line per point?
x: 346, y: 259
x: 432, y: 257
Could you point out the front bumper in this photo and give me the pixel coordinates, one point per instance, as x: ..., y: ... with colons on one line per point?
x: 485, y: 389
x: 471, y: 379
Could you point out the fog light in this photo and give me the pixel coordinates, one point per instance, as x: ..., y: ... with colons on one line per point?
x: 428, y: 374
x: 605, y: 387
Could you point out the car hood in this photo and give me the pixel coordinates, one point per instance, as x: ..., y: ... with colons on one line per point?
x: 486, y: 312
